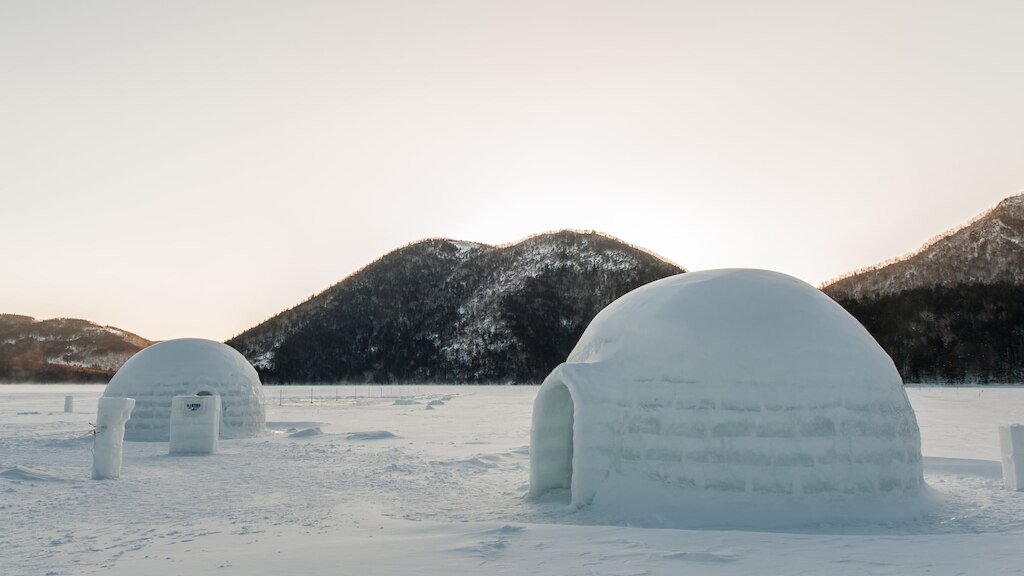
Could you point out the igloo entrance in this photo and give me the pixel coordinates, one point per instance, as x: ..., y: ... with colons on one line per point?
x: 552, y: 440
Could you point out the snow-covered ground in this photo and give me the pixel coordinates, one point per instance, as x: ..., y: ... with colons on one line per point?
x: 432, y: 480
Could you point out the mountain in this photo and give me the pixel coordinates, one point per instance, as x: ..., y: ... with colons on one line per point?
x: 954, y: 310
x: 988, y: 250
x: 441, y: 310
x: 62, y: 349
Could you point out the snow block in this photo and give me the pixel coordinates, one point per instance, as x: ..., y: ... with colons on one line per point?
x: 111, y: 416
x: 1011, y: 445
x: 195, y: 424
x: 69, y: 403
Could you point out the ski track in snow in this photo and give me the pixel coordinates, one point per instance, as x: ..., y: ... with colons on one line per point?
x: 446, y: 488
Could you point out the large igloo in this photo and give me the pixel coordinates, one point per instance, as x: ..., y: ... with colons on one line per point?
x: 726, y: 381
x: 188, y: 366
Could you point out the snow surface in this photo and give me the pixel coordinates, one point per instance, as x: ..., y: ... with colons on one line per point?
x: 444, y: 492
x: 184, y: 367
x: 746, y: 382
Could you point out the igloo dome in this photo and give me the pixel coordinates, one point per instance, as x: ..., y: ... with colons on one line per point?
x: 189, y: 366
x: 741, y: 381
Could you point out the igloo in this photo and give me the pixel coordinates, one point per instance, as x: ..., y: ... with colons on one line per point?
x: 726, y: 381
x: 189, y: 366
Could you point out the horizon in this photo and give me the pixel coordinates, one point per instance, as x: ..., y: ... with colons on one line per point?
x: 819, y: 285
x: 193, y: 169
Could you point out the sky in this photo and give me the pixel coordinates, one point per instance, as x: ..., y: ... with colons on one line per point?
x: 191, y: 168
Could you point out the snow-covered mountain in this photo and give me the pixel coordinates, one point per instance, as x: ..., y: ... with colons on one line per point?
x: 450, y: 311
x: 62, y: 349
x: 988, y: 250
x: 954, y: 310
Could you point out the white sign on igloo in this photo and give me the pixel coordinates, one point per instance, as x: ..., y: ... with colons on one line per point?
x: 185, y: 367
x: 726, y: 381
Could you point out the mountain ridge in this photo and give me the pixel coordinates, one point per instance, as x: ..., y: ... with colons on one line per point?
x: 62, y: 349
x: 447, y: 310
x: 953, y: 311
x: 450, y: 310
x: 988, y: 249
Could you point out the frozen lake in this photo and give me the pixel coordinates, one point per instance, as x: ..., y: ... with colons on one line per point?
x: 391, y: 486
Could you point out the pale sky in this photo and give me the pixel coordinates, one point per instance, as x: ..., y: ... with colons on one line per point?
x: 190, y: 168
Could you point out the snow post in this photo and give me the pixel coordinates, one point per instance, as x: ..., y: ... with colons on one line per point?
x: 111, y: 415
x: 1011, y: 444
x: 195, y: 424
x: 69, y: 403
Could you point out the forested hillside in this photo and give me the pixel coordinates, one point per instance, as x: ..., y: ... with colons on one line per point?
x: 954, y: 310
x: 987, y: 250
x: 62, y: 349
x: 448, y: 311
x: 967, y: 333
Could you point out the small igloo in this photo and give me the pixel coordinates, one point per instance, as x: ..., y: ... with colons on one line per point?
x: 726, y: 381
x: 189, y: 366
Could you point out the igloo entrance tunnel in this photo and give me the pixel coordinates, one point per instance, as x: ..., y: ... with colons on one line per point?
x: 741, y: 381
x: 183, y: 367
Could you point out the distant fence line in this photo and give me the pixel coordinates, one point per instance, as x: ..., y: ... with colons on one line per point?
x: 312, y: 394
